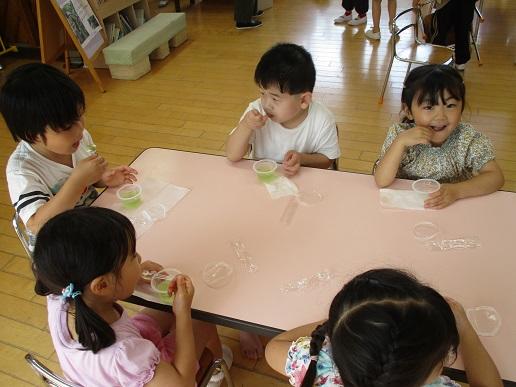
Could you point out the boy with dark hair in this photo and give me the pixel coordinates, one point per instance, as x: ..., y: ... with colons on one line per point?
x: 286, y: 124
x: 55, y: 166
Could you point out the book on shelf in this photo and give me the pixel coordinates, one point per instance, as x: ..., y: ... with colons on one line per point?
x: 116, y: 34
x: 110, y: 29
x: 126, y: 26
x: 140, y: 16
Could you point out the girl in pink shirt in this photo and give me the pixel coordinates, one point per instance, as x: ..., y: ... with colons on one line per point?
x: 84, y: 261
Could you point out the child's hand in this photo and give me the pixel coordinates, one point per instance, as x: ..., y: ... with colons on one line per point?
x: 291, y: 162
x: 149, y: 266
x: 119, y: 175
x: 446, y: 195
x: 253, y: 120
x: 184, y: 291
x: 90, y: 169
x: 461, y: 320
x: 414, y: 136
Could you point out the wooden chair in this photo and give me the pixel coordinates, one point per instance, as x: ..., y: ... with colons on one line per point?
x: 418, y: 52
x: 207, y: 367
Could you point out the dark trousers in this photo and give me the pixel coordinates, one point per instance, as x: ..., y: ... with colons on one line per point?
x: 455, y: 16
x: 361, y: 6
x: 244, y: 10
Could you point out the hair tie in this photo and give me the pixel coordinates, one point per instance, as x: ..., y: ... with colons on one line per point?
x: 314, y: 358
x: 68, y: 292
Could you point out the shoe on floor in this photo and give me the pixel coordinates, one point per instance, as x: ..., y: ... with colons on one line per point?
x: 342, y: 19
x: 258, y: 13
x: 358, y: 20
x: 247, y: 25
x: 459, y: 67
x: 216, y: 379
x: 162, y: 3
x: 373, y: 35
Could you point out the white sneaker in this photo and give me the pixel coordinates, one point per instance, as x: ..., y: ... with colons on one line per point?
x: 459, y: 67
x: 373, y: 35
x: 358, y: 20
x: 342, y: 19
x: 216, y: 379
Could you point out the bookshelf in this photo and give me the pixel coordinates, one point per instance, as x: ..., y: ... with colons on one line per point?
x: 119, y: 17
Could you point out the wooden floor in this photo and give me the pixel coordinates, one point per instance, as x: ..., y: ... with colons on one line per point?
x: 192, y: 99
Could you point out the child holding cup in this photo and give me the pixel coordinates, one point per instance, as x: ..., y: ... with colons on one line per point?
x: 431, y: 141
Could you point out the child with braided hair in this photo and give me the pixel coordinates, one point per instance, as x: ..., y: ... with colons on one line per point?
x: 384, y: 329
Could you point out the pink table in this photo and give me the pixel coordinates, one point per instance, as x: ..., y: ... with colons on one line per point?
x: 348, y: 232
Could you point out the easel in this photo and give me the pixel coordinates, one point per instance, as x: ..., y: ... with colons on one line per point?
x: 55, y: 34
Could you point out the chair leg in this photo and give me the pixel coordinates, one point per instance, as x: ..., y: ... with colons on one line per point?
x: 408, y: 71
x: 386, y: 79
x: 474, y: 43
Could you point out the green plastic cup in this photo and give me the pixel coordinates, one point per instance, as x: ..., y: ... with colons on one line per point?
x: 161, y: 281
x: 265, y: 170
x: 130, y: 195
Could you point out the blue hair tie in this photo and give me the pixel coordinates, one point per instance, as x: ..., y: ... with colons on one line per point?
x: 68, y: 292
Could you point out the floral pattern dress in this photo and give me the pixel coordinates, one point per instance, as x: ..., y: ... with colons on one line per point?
x: 327, y: 375
x: 459, y: 158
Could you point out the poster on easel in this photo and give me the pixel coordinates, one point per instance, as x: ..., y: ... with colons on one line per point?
x: 84, y: 23
x: 60, y: 21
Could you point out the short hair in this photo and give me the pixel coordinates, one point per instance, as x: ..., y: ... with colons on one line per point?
x: 429, y: 83
x: 75, y: 247
x: 386, y: 329
x: 288, y: 66
x: 37, y: 95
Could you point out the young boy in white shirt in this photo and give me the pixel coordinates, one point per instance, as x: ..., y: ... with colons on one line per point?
x: 55, y: 166
x: 286, y: 124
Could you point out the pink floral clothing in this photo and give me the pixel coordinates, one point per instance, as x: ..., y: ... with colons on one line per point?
x: 298, y: 360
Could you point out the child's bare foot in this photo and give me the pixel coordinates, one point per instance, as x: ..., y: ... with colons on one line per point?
x: 250, y: 345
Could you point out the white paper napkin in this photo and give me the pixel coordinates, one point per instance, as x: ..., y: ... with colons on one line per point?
x: 280, y: 187
x: 402, y: 199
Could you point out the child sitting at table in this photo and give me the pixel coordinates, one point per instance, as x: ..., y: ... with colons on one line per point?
x: 384, y: 328
x: 286, y: 124
x: 55, y: 166
x: 432, y: 142
x: 85, y: 260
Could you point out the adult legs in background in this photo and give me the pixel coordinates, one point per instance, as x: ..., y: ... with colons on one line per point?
x: 374, y: 32
x: 244, y: 12
x: 457, y: 16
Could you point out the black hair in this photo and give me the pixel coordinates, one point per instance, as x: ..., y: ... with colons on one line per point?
x: 76, y: 247
x: 386, y: 329
x: 288, y: 66
x: 37, y: 95
x: 429, y: 83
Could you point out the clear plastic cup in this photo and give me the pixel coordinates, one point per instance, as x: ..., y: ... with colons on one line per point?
x: 160, y: 282
x: 425, y: 231
x: 217, y: 275
x: 91, y: 149
x: 426, y: 186
x: 265, y: 170
x: 485, y: 320
x: 130, y: 195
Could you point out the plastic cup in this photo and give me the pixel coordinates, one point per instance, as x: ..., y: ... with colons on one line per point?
x: 426, y: 186
x: 425, y: 231
x: 217, y: 275
x: 161, y: 281
x: 130, y: 195
x: 265, y: 170
x: 485, y: 320
x: 91, y: 149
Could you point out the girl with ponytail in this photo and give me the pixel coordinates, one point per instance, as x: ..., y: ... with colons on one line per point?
x: 384, y: 329
x: 85, y: 260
